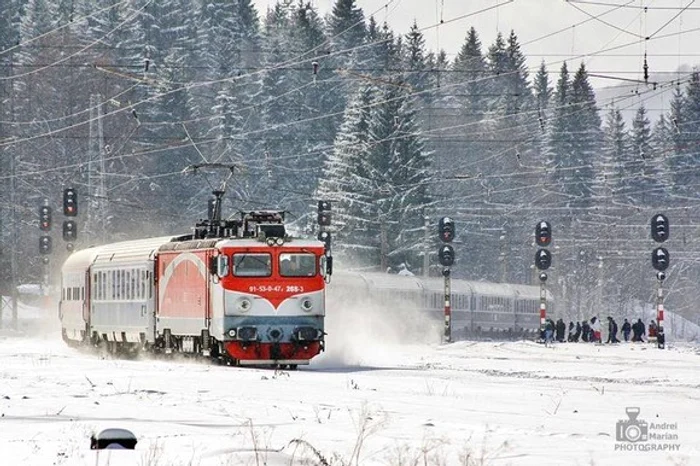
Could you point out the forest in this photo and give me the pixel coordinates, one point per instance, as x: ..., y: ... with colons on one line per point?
x: 116, y: 98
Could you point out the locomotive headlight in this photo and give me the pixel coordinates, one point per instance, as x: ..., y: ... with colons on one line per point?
x: 306, y: 304
x: 244, y: 304
x: 232, y: 333
x: 270, y: 241
x: 279, y: 241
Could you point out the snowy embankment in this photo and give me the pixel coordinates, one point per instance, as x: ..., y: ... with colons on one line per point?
x: 463, y: 403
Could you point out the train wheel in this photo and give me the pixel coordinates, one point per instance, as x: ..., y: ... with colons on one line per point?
x: 292, y: 367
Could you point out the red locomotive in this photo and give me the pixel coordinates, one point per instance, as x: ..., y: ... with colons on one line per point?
x: 241, y: 291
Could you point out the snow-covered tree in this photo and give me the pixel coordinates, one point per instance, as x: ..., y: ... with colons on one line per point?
x: 613, y: 163
x: 346, y: 181
x: 400, y: 174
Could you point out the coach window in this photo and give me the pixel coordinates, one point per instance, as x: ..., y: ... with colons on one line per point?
x: 252, y: 265
x: 297, y: 265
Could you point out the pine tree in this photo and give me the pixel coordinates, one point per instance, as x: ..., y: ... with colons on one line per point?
x: 615, y: 156
x: 466, y: 97
x: 347, y: 31
x: 400, y: 174
x: 689, y: 136
x: 299, y: 103
x: 678, y: 161
x: 650, y: 165
x: 346, y: 180
x: 498, y: 67
x: 9, y: 37
x: 469, y: 69
x: 662, y: 143
x: 416, y: 62
x: 578, y: 136
x: 543, y: 94
x: 575, y: 141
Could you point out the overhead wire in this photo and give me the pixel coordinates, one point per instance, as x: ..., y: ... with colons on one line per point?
x: 295, y: 122
x: 81, y: 50
x: 80, y: 19
x: 130, y: 106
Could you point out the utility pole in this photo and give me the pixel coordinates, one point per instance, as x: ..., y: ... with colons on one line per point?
x: 502, y: 256
x: 426, y: 245
x: 14, y: 232
x: 383, y: 246
x: 96, y: 223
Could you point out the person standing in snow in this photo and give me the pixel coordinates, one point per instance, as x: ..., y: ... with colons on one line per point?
x: 577, y: 335
x: 571, y: 332
x: 585, y: 331
x: 596, y: 329
x: 638, y: 331
x: 652, y: 329
x: 549, y: 332
x: 612, y: 331
x: 561, y: 330
x: 626, y: 329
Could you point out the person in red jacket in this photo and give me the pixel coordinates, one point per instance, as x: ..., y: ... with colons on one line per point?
x: 652, y: 329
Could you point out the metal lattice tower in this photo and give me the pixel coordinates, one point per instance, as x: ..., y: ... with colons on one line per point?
x: 96, y: 218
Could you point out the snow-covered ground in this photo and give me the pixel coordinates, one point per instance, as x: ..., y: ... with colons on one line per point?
x: 366, y: 402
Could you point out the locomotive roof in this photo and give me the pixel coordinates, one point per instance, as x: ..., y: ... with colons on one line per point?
x: 252, y: 243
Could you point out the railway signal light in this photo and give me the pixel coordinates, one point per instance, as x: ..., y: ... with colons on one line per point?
x: 45, y: 218
x: 45, y: 245
x: 446, y: 254
x: 543, y: 259
x: 543, y: 234
x: 660, y: 259
x: 325, y: 237
x: 660, y: 228
x: 446, y: 229
x: 324, y: 213
x: 70, y: 230
x: 70, y: 202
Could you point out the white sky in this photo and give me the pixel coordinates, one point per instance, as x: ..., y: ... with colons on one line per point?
x: 534, y: 19
x: 505, y: 403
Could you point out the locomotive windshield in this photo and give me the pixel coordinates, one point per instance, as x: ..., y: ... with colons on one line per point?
x: 297, y: 265
x: 252, y: 265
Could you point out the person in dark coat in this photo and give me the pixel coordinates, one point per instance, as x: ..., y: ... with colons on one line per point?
x: 638, y: 331
x: 561, y: 330
x: 571, y: 332
x: 549, y: 332
x: 577, y: 335
x: 612, y: 331
x: 585, y: 331
x: 626, y: 329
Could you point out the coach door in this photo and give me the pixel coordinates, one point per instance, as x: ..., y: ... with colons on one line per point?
x: 149, y: 307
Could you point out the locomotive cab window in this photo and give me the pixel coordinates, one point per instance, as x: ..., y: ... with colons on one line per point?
x: 252, y: 265
x: 222, y: 265
x: 297, y: 265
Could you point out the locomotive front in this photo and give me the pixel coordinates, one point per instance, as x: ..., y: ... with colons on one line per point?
x: 269, y: 303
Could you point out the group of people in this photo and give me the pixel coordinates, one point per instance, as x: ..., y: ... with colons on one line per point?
x: 591, y: 331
